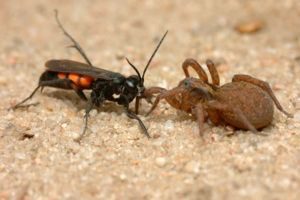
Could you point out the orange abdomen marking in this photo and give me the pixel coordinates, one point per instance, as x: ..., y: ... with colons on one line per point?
x: 85, y: 82
x: 82, y: 82
x: 62, y: 75
x: 75, y: 78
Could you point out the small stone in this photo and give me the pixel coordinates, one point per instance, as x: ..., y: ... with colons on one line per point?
x: 278, y: 86
x: 3, y: 81
x: 64, y: 125
x: 223, y: 68
x: 156, y: 135
x: 120, y: 56
x: 93, y: 113
x: 296, y: 102
x: 192, y: 167
x: 251, y: 26
x: 20, y: 156
x: 161, y: 161
x: 111, y: 156
x: 297, y: 116
x: 281, y: 150
x: 123, y: 177
x: 290, y: 126
x: 169, y: 125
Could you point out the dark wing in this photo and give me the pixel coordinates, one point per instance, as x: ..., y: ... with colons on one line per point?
x: 70, y: 66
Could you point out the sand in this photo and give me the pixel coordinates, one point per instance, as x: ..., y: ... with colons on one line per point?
x: 39, y: 158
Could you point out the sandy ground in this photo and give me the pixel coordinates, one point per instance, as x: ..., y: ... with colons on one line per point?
x: 38, y: 156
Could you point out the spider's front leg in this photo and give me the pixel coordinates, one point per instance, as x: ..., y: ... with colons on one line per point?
x: 170, y: 96
x: 189, y: 62
x: 148, y: 94
x: 198, y: 112
x: 200, y: 71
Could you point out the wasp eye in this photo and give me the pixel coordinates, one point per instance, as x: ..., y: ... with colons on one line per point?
x: 130, y: 84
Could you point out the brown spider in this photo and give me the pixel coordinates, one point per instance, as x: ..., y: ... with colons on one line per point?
x: 245, y: 103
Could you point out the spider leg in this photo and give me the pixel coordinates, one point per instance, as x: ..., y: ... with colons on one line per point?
x: 263, y: 85
x: 26, y: 99
x: 215, y: 105
x: 169, y: 96
x: 147, y: 94
x: 198, y: 111
x: 213, y: 72
x: 196, y: 66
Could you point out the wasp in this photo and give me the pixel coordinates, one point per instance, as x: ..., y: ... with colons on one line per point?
x: 105, y: 85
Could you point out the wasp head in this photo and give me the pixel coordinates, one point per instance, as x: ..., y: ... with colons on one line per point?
x: 138, y: 79
x: 134, y: 85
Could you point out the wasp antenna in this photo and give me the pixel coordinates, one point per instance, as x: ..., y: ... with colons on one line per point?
x: 75, y: 44
x: 153, y: 54
x: 60, y: 25
x: 135, y: 69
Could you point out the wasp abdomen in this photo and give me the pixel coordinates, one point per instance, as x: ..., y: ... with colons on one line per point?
x: 81, y: 81
x: 50, y: 78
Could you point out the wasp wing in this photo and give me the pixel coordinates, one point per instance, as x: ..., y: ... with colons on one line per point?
x: 70, y: 66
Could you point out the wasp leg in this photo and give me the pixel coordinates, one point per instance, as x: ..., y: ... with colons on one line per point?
x: 80, y: 94
x: 134, y: 116
x: 57, y: 83
x: 75, y: 44
x: 263, y: 85
x: 123, y: 100
x: 96, y: 99
x: 26, y: 99
x: 88, y: 109
x: 137, y: 104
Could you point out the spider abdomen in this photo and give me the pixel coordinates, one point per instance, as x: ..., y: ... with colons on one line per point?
x: 254, y: 102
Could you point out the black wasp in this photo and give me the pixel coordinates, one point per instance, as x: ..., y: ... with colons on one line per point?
x: 105, y: 84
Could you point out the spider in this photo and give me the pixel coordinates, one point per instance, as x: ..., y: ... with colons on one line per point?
x: 245, y: 103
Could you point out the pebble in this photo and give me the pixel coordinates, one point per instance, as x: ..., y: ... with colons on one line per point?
x: 93, y: 113
x: 297, y: 116
x: 111, y: 156
x: 192, y: 167
x: 251, y: 26
x: 160, y: 161
x: 169, y: 125
x: 123, y: 177
x: 20, y: 156
x: 3, y: 81
x: 297, y: 104
x: 64, y: 125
